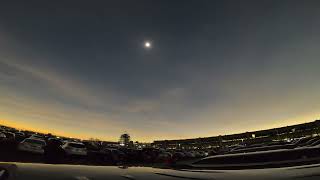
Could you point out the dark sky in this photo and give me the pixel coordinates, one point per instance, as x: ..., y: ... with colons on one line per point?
x: 80, y: 68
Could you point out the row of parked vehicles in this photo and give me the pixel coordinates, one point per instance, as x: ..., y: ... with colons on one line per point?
x: 38, y: 145
x: 300, y: 151
x: 58, y: 150
x: 298, y: 142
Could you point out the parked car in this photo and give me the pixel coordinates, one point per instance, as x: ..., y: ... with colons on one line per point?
x: 315, y: 143
x: 178, y: 156
x: 149, y: 155
x: 9, y: 136
x: 36, y: 136
x: 189, y: 154
x: 203, y: 154
x: 91, y: 146
x: 114, y: 155
x: 309, y: 142
x: 196, y: 154
x: 53, y: 152
x: 20, y: 136
x: 54, y: 141
x: 2, y: 136
x: 20, y: 133
x: 32, y: 145
x: 164, y: 157
x: 74, y: 148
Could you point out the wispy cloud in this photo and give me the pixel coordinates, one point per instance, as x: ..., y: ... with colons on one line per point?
x: 67, y: 87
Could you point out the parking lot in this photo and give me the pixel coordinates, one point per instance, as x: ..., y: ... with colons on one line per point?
x: 19, y: 148
x: 30, y: 147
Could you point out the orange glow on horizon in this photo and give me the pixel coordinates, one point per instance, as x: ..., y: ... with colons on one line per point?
x: 26, y: 127
x: 21, y: 126
x: 280, y: 123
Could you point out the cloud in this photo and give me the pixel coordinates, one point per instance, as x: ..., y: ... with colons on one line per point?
x: 68, y: 87
x: 135, y: 115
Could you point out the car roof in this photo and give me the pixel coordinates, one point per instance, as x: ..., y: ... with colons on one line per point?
x: 35, y: 139
x: 36, y: 135
x: 71, y: 142
x: 7, y: 132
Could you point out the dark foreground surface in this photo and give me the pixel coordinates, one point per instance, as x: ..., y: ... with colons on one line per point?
x: 17, y: 171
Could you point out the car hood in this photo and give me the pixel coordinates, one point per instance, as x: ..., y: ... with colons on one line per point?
x: 19, y: 171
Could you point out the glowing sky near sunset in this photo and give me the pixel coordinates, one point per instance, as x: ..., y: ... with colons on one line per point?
x: 82, y: 68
